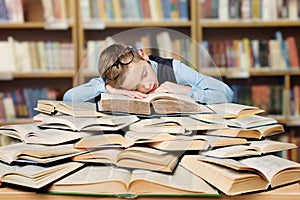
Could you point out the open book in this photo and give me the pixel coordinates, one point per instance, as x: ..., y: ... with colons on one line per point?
x: 173, y: 125
x: 254, y: 133
x: 34, y: 176
x: 31, y: 133
x: 245, y: 175
x: 132, y: 157
x: 117, y: 140
x: 76, y: 109
x: 37, y: 154
x: 109, y: 180
x: 196, y: 142
x: 254, y: 148
x: 251, y: 121
x: 162, y: 141
x: 231, y: 110
x: 162, y: 103
x: 105, y: 123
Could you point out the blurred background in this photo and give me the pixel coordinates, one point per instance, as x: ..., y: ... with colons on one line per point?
x: 49, y: 46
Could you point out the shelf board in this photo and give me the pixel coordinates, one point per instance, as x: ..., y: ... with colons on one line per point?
x: 216, y: 23
x: 133, y: 24
x: 253, y: 72
x: 28, y: 25
x: 61, y: 74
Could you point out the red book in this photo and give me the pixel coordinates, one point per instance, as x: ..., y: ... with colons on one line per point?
x: 145, y: 9
x: 294, y: 58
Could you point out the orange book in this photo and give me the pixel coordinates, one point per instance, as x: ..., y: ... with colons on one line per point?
x: 296, y: 89
x: 294, y: 58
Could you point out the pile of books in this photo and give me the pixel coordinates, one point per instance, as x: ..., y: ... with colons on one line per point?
x: 95, y: 149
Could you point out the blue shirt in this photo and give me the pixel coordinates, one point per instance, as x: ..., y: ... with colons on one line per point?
x: 205, y: 89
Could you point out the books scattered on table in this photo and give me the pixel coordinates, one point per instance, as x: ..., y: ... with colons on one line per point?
x: 109, y: 180
x: 31, y: 133
x: 173, y: 125
x: 34, y: 176
x: 132, y: 157
x: 66, y: 122
x: 254, y: 148
x: 252, y: 121
x: 117, y: 140
x: 230, y: 110
x: 253, y: 133
x: 142, y: 153
x: 244, y: 175
x: 162, y: 103
x: 36, y: 154
x: 76, y: 109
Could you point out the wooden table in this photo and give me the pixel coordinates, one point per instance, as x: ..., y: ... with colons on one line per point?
x: 291, y: 192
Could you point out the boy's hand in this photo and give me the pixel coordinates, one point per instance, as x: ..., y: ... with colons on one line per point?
x: 169, y: 87
x: 129, y: 93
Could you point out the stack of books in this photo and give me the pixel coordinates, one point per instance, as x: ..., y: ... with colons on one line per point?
x: 95, y: 149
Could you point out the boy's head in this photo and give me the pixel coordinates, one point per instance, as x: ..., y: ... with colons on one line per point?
x: 122, y: 66
x: 114, y: 61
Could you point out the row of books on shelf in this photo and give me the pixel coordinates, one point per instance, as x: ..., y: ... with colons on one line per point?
x: 145, y: 156
x: 112, y: 10
x: 291, y: 154
x: 15, y: 11
x: 36, y: 56
x: 278, y: 53
x: 163, y: 45
x: 19, y: 103
x: 268, y: 97
x: 266, y: 10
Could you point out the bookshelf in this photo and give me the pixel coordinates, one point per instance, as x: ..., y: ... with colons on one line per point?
x: 33, y: 33
x: 239, y: 20
x: 129, y: 27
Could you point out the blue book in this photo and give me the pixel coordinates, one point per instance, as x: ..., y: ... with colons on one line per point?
x: 4, y: 15
x: 167, y: 8
x: 183, y: 9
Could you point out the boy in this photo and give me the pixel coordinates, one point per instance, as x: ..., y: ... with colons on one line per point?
x: 127, y: 71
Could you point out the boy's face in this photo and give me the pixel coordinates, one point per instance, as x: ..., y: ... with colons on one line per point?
x: 140, y: 77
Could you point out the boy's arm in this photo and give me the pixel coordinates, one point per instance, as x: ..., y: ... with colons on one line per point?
x: 89, y: 91
x: 205, y: 89
x: 86, y: 92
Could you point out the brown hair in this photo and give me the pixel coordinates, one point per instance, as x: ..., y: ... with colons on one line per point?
x: 108, y: 57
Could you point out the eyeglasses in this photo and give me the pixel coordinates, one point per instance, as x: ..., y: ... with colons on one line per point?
x: 124, y: 58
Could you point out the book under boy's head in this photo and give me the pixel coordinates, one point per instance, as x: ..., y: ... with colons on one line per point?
x: 156, y: 103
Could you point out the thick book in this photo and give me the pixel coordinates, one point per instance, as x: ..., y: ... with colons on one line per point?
x: 117, y: 140
x: 76, y: 109
x: 31, y: 133
x: 108, y: 180
x: 196, y: 143
x: 132, y: 157
x: 252, y: 121
x: 67, y: 122
x: 162, y: 103
x: 255, y: 148
x: 37, y: 154
x: 231, y: 110
x: 253, y: 133
x: 173, y: 125
x: 34, y: 176
x: 244, y: 175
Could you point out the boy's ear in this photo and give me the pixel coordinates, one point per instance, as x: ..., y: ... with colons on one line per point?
x: 143, y: 54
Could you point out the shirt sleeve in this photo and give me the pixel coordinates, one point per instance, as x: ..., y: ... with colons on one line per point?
x: 205, y: 89
x: 86, y: 92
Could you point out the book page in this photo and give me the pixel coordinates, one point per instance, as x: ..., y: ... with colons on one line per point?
x: 269, y: 165
x: 233, y: 151
x: 181, y: 179
x: 96, y: 174
x: 267, y: 146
